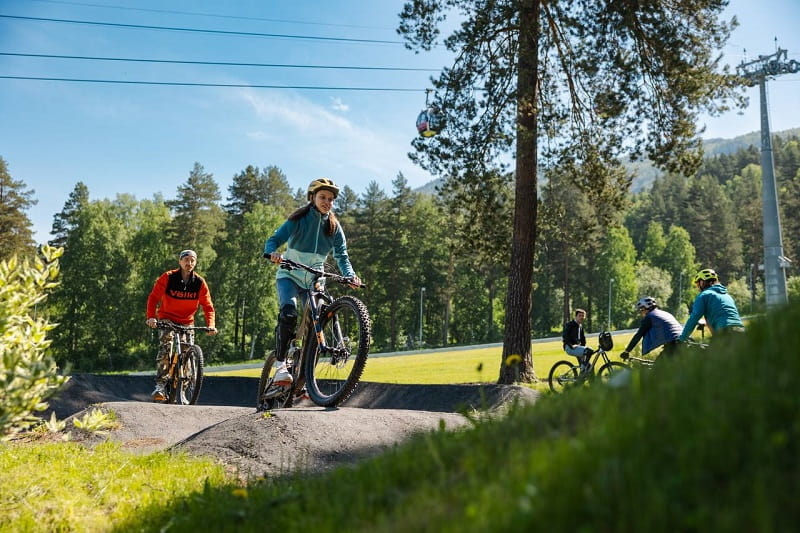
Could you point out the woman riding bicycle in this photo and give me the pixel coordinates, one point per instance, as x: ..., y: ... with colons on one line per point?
x: 714, y: 304
x: 311, y: 233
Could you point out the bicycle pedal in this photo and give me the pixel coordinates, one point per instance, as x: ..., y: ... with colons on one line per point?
x: 302, y: 394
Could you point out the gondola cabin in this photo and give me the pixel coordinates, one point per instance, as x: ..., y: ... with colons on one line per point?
x: 429, y: 122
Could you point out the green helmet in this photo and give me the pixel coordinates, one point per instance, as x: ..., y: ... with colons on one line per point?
x: 706, y: 274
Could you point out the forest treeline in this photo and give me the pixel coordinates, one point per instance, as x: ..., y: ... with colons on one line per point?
x: 435, y: 258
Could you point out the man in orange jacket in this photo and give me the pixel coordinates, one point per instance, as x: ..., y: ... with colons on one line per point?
x: 176, y: 296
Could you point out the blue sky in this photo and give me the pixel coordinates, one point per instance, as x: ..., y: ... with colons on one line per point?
x: 145, y: 139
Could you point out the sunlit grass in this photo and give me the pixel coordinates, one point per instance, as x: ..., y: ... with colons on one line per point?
x: 459, y: 365
x: 700, y: 444
x: 63, y: 486
x: 707, y: 443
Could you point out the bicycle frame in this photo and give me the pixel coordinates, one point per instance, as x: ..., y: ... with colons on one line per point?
x: 177, y: 347
x: 597, y: 354
x: 312, y: 313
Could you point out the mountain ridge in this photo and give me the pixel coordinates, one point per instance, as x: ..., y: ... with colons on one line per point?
x: 646, y: 173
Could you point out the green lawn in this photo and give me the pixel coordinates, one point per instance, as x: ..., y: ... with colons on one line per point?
x: 50, y: 485
x: 481, y: 365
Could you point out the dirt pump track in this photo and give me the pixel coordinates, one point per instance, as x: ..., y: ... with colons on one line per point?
x: 225, y: 425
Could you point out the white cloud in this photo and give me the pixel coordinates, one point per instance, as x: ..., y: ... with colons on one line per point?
x: 315, y: 140
x: 338, y: 105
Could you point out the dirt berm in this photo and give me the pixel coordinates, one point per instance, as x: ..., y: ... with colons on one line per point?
x: 226, y: 426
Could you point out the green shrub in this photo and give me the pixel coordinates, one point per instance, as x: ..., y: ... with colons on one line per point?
x: 28, y: 374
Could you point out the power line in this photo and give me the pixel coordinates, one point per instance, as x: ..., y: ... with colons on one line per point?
x: 216, y: 15
x: 197, y: 84
x: 218, y: 63
x: 200, y: 30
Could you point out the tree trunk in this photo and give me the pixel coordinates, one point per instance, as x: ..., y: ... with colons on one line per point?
x: 517, y: 341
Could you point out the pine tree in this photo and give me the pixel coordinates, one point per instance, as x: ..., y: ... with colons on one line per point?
x: 253, y: 186
x: 600, y: 77
x: 198, y: 219
x: 65, y: 221
x: 16, y: 234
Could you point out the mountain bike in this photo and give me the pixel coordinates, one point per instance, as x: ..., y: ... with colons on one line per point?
x: 328, y: 354
x: 648, y: 362
x: 565, y: 374
x: 184, y: 376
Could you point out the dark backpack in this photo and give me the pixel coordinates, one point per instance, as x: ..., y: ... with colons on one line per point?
x: 605, y: 340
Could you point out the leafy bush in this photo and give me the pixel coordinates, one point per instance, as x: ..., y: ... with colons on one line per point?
x: 97, y: 421
x: 28, y: 374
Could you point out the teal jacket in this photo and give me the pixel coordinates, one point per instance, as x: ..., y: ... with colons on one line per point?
x: 308, y: 242
x: 717, y: 306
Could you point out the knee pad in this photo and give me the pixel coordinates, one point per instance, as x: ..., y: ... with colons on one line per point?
x: 287, y: 318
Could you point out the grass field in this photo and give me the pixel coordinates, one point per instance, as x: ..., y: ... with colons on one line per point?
x: 705, y: 443
x: 477, y: 365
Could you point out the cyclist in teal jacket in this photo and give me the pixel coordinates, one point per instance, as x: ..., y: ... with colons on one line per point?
x: 715, y: 304
x: 311, y: 233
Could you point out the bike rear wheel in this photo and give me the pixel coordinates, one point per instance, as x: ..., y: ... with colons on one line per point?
x: 272, y: 396
x: 563, y: 375
x: 184, y: 388
x: 332, y: 374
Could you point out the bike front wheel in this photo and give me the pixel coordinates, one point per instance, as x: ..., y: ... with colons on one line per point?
x: 611, y: 369
x: 563, y: 375
x: 185, y: 389
x: 333, y: 371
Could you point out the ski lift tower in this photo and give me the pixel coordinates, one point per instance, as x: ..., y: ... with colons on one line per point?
x: 775, y: 263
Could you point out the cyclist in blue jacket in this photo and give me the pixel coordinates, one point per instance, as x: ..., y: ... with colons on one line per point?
x: 310, y: 233
x: 658, y: 328
x: 715, y: 304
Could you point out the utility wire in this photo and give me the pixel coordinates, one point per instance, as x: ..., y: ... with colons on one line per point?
x: 219, y: 63
x: 192, y: 84
x: 199, y: 30
x: 215, y: 15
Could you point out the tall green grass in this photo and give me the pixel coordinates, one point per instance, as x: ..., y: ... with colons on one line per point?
x: 710, y: 442
x: 63, y: 486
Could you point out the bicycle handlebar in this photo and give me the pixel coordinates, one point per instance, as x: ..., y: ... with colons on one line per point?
x: 288, y: 264
x: 163, y: 324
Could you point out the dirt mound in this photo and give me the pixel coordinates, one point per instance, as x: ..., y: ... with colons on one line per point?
x: 83, y: 390
x: 226, y: 426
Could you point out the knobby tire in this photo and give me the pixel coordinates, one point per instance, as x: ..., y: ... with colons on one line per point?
x: 188, y: 376
x: 346, y: 326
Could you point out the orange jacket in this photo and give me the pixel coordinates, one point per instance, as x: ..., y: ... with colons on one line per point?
x: 174, y: 300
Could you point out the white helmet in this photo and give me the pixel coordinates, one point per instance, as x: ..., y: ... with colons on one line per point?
x: 648, y: 303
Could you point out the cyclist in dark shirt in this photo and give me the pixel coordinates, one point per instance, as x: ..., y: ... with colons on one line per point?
x: 574, y: 338
x: 658, y: 328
